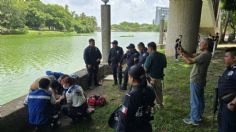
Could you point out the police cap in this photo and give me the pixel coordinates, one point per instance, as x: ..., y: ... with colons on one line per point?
x: 115, y: 42
x: 131, y: 46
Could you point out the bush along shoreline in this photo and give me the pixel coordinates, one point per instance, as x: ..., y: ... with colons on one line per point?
x: 17, y: 17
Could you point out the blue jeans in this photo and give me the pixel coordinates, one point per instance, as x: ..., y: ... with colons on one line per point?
x: 197, y: 102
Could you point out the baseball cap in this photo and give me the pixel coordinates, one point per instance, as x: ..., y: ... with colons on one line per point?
x: 114, y: 42
x: 131, y: 46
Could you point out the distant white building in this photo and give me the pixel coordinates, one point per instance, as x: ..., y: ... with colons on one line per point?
x: 160, y: 12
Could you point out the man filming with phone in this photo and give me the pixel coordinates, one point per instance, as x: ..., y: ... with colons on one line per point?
x: 198, y: 76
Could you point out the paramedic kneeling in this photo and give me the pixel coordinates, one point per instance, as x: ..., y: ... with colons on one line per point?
x: 76, y: 102
x: 40, y: 105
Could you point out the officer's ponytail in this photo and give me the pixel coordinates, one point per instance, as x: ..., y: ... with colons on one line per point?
x: 138, y: 73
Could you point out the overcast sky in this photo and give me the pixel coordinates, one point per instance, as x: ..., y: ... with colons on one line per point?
x: 142, y: 11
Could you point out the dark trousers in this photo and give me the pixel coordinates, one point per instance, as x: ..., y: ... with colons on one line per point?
x: 75, y: 113
x: 126, y: 77
x: 176, y: 53
x: 117, y: 71
x: 226, y: 119
x: 92, y: 75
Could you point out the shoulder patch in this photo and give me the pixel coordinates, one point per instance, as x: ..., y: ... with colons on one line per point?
x: 124, y: 110
x: 230, y: 73
x: 128, y: 94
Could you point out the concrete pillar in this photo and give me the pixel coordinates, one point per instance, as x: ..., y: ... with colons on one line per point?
x: 161, y: 31
x: 106, y: 31
x: 184, y: 18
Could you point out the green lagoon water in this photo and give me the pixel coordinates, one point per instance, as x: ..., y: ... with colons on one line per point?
x: 24, y: 58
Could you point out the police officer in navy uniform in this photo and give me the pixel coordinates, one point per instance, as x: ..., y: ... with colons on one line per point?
x: 135, y: 113
x: 40, y: 104
x: 114, y: 60
x: 227, y: 94
x: 129, y: 56
x: 143, y: 54
x: 92, y: 58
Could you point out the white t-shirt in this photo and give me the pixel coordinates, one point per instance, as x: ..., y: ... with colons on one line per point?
x: 75, y: 95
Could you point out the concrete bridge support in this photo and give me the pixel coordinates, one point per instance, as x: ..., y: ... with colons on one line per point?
x: 161, y: 31
x: 184, y: 18
x: 106, y: 31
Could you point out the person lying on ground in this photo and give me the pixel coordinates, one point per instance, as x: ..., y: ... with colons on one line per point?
x: 35, y: 84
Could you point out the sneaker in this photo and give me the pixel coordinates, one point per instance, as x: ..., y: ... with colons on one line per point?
x: 189, y: 122
x: 200, y: 120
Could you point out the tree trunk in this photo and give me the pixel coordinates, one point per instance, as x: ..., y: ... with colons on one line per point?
x: 225, y: 28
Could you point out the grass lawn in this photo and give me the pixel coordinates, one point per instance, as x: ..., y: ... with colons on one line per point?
x: 176, y: 98
x: 35, y: 33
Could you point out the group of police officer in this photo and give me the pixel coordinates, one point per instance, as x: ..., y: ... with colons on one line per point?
x: 132, y: 56
x: 135, y: 111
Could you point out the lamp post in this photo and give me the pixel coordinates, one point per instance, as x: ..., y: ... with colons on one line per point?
x: 105, y: 30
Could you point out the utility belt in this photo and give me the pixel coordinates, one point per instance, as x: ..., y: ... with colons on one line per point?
x: 227, y: 98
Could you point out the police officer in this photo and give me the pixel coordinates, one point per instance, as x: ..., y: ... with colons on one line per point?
x: 40, y: 102
x: 227, y: 94
x: 92, y: 58
x: 143, y: 54
x: 114, y: 60
x: 129, y: 55
x: 135, y: 113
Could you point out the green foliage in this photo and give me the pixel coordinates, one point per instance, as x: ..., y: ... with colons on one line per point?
x: 58, y: 18
x: 133, y: 27
x: 228, y: 18
x: 34, y: 18
x: 229, y: 5
x: 15, y: 15
x: 85, y: 24
x: 12, y: 16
